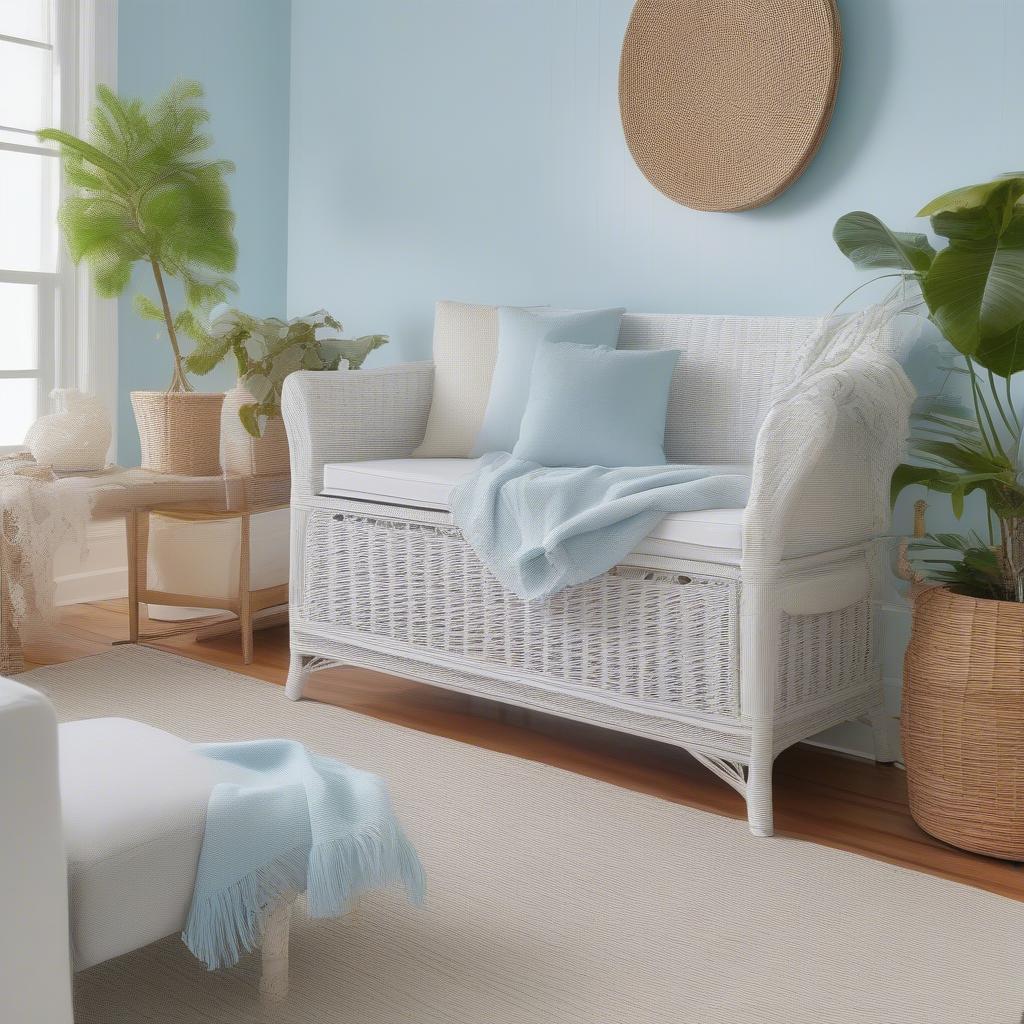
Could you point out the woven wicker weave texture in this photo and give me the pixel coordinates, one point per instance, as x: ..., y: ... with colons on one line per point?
x: 725, y: 102
x: 179, y: 432
x: 963, y: 722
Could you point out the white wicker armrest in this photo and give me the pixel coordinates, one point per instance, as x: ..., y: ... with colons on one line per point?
x: 353, y: 414
x: 824, y: 458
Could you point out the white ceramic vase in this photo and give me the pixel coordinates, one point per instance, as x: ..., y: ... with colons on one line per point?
x: 243, y: 454
x: 76, y: 438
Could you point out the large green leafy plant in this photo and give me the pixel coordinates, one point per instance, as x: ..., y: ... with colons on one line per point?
x: 143, y: 190
x: 267, y: 350
x: 973, y: 289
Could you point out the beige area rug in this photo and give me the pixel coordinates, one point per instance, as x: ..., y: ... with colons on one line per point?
x: 557, y: 899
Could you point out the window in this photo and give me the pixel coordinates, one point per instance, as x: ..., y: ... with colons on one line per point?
x: 49, y: 63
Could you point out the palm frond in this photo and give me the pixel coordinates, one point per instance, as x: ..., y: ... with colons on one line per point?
x: 965, y: 563
x: 144, y: 188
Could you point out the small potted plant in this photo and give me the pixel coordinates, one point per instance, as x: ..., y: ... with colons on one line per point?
x: 142, y: 190
x: 963, y: 695
x: 265, y: 351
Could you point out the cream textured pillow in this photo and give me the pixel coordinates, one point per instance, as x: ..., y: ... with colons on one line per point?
x: 465, y: 349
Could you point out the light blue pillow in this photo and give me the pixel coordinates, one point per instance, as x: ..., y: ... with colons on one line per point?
x: 596, y: 407
x: 520, y: 331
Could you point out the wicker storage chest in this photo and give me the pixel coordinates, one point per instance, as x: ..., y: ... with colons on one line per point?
x: 607, y: 637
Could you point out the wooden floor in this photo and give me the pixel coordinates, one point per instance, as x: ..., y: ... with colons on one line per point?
x: 827, y: 798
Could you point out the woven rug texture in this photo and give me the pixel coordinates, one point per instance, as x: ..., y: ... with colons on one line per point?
x: 554, y: 898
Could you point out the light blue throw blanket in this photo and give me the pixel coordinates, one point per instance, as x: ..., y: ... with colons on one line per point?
x: 540, y: 530
x: 304, y: 824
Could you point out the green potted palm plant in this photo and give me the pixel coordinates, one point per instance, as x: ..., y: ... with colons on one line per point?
x: 963, y: 697
x: 265, y: 351
x: 143, y: 190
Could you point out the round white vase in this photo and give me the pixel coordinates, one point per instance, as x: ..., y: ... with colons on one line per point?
x: 243, y: 454
x: 76, y: 438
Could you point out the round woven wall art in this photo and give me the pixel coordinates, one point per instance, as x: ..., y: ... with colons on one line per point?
x: 725, y: 102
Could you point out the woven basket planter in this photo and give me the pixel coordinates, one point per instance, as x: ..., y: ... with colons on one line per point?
x: 244, y: 454
x: 179, y: 431
x: 963, y: 722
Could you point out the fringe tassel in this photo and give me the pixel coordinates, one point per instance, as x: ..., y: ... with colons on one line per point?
x: 225, y: 925
x: 341, y: 870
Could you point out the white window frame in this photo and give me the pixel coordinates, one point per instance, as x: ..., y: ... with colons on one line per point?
x: 77, y: 329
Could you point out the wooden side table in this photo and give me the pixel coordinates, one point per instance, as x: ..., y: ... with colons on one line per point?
x: 246, y: 605
x: 117, y: 493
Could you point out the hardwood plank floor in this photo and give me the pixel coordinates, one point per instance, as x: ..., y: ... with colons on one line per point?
x: 820, y: 796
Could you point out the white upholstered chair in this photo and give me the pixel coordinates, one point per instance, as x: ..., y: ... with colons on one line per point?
x: 732, y: 633
x: 35, y: 962
x: 101, y: 824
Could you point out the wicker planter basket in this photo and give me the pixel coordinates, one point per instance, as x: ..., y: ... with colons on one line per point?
x: 179, y: 431
x: 244, y: 454
x: 963, y: 722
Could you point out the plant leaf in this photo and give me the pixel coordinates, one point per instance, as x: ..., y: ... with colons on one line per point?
x: 963, y: 457
x: 258, y: 385
x: 971, y: 197
x: 956, y: 499
x: 206, y: 355
x: 974, y: 286
x: 249, y: 415
x: 355, y: 351
x: 1004, y: 353
x: 92, y: 154
x: 147, y: 308
x: 906, y: 475
x: 868, y: 243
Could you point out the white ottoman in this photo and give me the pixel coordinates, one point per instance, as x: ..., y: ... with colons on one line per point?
x: 134, y: 802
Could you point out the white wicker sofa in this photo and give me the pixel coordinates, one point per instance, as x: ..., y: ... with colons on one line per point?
x: 733, y: 634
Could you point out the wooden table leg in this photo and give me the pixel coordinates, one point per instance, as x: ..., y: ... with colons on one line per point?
x: 131, y: 527
x: 244, y: 592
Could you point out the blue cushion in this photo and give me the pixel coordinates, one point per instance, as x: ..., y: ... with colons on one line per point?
x: 520, y: 331
x: 596, y: 407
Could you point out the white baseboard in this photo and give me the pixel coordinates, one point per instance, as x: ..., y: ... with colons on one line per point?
x: 92, y: 585
x: 102, y: 575
x: 855, y: 738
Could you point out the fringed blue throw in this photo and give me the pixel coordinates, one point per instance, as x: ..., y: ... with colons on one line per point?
x: 305, y: 824
x: 540, y: 530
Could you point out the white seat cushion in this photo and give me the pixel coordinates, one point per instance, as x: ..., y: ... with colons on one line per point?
x: 710, y: 528
x: 426, y: 483
x: 418, y: 483
x: 134, y: 803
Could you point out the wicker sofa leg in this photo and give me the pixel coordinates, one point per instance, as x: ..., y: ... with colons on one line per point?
x: 759, y: 796
x: 274, y: 979
x: 297, y: 676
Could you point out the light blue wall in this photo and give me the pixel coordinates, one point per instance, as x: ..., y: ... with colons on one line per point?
x: 239, y: 50
x: 472, y: 149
